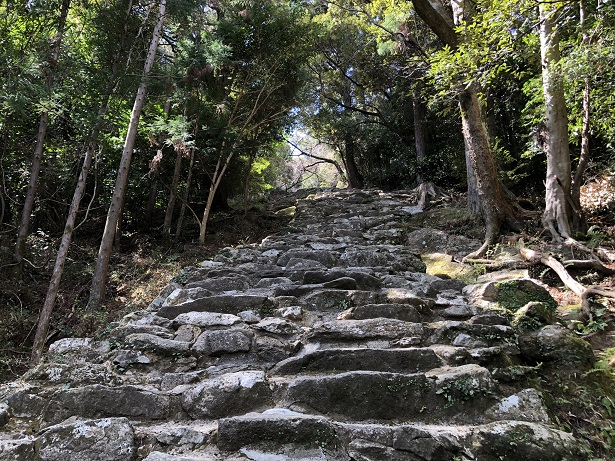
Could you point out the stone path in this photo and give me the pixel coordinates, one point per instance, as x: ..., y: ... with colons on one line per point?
x: 327, y: 341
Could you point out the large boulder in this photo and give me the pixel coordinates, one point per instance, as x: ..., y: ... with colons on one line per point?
x: 557, y: 346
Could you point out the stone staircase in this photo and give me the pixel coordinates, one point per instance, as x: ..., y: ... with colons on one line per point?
x: 327, y: 341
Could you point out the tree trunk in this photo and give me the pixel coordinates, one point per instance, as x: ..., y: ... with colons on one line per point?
x: 557, y: 216
x: 420, y: 138
x: 495, y: 208
x: 246, y: 185
x: 151, y: 199
x: 182, y: 211
x: 101, y: 270
x: 37, y: 158
x: 355, y: 178
x: 215, y: 182
x: 168, y: 218
x: 579, y: 223
x: 56, y: 276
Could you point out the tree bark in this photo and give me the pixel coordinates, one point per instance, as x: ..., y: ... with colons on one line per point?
x: 557, y: 217
x: 37, y: 158
x: 246, y: 184
x: 101, y: 270
x: 579, y: 222
x: 494, y: 206
x: 420, y: 136
x: 182, y: 211
x: 56, y: 276
x: 355, y: 178
x: 215, y: 182
x: 168, y: 217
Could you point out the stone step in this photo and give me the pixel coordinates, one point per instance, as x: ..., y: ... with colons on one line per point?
x: 354, y: 359
x: 186, y: 435
x: 461, y: 393
x: 275, y: 431
x: 378, y: 328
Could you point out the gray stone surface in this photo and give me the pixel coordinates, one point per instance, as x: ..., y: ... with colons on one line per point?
x: 109, y: 439
x: 223, y: 342
x: 228, y: 395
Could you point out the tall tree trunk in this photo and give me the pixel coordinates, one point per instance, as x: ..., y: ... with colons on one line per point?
x: 151, y: 199
x: 182, y: 211
x: 37, y: 158
x: 246, y: 184
x: 494, y: 205
x: 58, y: 270
x: 215, y: 183
x: 557, y: 216
x: 355, y: 178
x: 420, y: 136
x: 168, y: 218
x: 579, y: 223
x: 101, y: 270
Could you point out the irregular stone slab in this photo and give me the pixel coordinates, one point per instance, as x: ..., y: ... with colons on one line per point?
x: 461, y: 384
x: 124, y: 359
x: 339, y: 300
x: 206, y: 319
x: 109, y: 439
x: 323, y: 257
x: 5, y: 414
x: 224, y: 304
x: 525, y: 440
x: 352, y: 359
x: 17, y: 450
x: 360, y: 395
x: 374, y: 257
x: 556, y: 345
x: 406, y: 296
x: 276, y: 326
x: 228, y: 395
x: 184, y: 434
x: 379, y: 328
x: 221, y: 284
x: 159, y: 456
x: 183, y: 295
x: 364, y: 280
x: 101, y: 401
x: 273, y: 282
x: 82, y: 346
x: 223, y: 342
x: 405, y: 312
x: 466, y: 334
x: 278, y: 426
x: 156, y: 343
x: 526, y: 405
x: 299, y: 264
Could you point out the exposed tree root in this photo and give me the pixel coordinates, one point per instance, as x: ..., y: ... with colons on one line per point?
x: 583, y: 292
